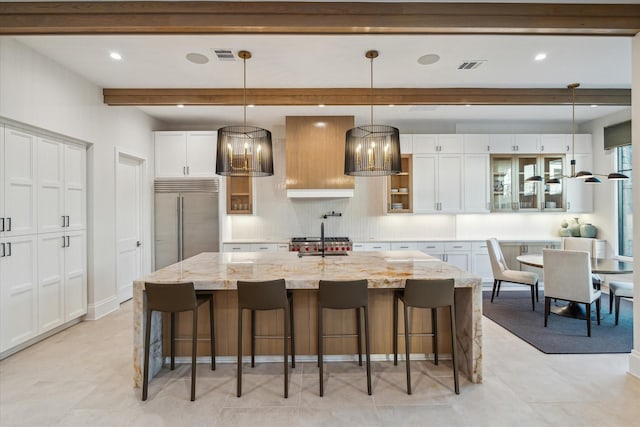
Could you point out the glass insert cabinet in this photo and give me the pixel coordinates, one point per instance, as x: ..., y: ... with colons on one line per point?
x: 510, y: 190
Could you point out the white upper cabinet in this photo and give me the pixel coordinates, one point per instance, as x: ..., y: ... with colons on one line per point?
x: 579, y: 194
x: 437, y: 183
x: 430, y: 144
x: 555, y: 144
x: 526, y: 143
x: 502, y: 143
x: 61, y: 186
x: 477, y: 183
x: 185, y: 154
x: 18, y: 181
x: 477, y: 144
x: 406, y: 144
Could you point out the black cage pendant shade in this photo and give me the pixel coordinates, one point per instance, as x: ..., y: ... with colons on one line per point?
x: 372, y: 150
x: 244, y: 150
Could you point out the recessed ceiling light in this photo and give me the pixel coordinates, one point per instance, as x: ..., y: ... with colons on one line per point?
x: 180, y: 105
x: 594, y: 105
x: 391, y: 105
x: 320, y: 124
x: 116, y: 56
x: 320, y: 105
x: 428, y: 59
x: 541, y: 56
x: 467, y: 105
x: 250, y: 105
x: 197, y: 58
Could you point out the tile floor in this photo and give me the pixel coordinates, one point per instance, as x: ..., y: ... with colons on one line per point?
x: 82, y: 377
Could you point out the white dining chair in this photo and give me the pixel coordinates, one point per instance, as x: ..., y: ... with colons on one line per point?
x: 502, y: 273
x: 567, y: 277
x: 586, y: 245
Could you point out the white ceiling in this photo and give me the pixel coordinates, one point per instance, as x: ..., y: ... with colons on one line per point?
x: 338, y: 61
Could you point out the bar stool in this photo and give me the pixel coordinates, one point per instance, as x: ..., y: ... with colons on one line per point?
x: 342, y: 295
x: 429, y: 294
x: 175, y: 298
x: 267, y: 295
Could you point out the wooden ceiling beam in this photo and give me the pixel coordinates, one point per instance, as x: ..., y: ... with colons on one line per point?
x: 357, y: 96
x: 211, y: 17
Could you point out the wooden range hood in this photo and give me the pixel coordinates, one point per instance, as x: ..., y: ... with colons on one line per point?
x: 315, y: 157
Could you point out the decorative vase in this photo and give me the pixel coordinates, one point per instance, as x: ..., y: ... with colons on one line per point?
x: 564, y: 223
x: 588, y: 230
x: 564, y: 232
x: 574, y: 227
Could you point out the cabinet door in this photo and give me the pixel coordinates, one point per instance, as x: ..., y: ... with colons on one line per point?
x: 201, y: 154
x: 425, y: 177
x: 579, y: 194
x: 451, y: 144
x: 425, y: 144
x: 477, y: 144
x: 555, y: 143
x: 406, y: 144
x: 170, y: 154
x: 502, y: 184
x: 528, y: 197
x: 236, y: 247
x: 404, y: 246
x: 480, y: 262
x: 462, y: 260
x: 527, y: 143
x: 450, y: 187
x: 477, y: 180
x: 502, y: 143
x: 50, y: 186
x: 18, y: 291
x: 377, y: 246
x: 50, y: 280
x: 435, y: 249
x: 19, y: 182
x: 75, y: 272
x: 264, y: 247
x: 75, y: 182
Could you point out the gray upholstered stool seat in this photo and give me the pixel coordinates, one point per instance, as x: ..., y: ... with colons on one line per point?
x: 619, y: 290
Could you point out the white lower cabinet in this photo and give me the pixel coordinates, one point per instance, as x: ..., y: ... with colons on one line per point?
x: 236, y: 247
x: 404, y: 246
x: 457, y: 253
x: 62, y: 278
x: 255, y: 247
x: 18, y: 290
x: 377, y: 246
x: 480, y: 261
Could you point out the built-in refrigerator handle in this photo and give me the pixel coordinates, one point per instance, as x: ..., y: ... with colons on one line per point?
x: 179, y: 223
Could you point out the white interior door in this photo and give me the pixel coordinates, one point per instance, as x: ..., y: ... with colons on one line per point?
x: 128, y: 224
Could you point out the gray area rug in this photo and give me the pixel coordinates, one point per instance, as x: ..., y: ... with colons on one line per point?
x: 512, y: 311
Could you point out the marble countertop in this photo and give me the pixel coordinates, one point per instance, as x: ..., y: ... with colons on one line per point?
x: 382, y: 269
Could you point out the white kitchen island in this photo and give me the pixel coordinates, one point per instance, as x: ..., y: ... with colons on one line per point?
x: 384, y: 271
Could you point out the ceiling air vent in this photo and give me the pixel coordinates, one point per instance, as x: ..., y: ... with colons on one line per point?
x: 224, y: 54
x: 471, y: 64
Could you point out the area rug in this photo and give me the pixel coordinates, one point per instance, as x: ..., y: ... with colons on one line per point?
x: 512, y: 311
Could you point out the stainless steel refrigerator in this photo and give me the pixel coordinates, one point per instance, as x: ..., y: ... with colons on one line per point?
x: 186, y: 219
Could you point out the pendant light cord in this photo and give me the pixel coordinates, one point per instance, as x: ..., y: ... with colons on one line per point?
x: 372, y: 94
x: 244, y: 94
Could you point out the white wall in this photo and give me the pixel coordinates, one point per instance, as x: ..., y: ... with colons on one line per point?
x: 40, y: 93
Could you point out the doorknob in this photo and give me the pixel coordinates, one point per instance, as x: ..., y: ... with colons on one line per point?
x: 138, y: 244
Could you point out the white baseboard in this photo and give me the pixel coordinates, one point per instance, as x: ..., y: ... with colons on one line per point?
x: 102, y: 308
x: 39, y: 338
x: 634, y: 363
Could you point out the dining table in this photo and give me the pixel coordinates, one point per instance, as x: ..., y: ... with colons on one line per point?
x: 598, y: 266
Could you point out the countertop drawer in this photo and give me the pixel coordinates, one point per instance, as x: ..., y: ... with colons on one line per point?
x: 457, y: 246
x: 431, y: 247
x: 479, y: 246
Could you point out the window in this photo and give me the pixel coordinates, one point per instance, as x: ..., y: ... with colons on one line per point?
x: 625, y: 202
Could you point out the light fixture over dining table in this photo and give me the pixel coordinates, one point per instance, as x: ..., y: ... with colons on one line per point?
x: 244, y: 150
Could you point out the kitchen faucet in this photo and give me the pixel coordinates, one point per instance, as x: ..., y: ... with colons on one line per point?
x: 322, y: 238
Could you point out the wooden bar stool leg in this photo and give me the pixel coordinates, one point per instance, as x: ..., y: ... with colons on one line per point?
x: 434, y: 324
x: 395, y: 329
x: 285, y: 346
x: 147, y: 344
x: 367, y: 347
x: 173, y: 341
x: 406, y: 346
x: 359, y: 328
x: 253, y: 338
x: 291, y: 332
x: 194, y: 353
x: 212, y: 326
x: 617, y: 309
x: 239, y: 377
x: 320, y: 343
x: 453, y: 348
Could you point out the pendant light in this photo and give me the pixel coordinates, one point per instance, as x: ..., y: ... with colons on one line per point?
x: 372, y: 150
x: 244, y: 150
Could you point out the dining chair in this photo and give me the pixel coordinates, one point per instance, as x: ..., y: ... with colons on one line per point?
x: 567, y: 277
x: 586, y: 245
x: 502, y: 273
x: 619, y: 290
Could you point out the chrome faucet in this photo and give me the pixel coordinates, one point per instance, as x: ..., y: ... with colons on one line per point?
x: 322, y: 238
